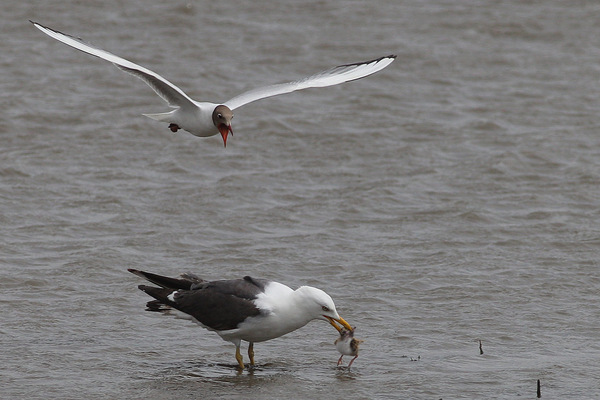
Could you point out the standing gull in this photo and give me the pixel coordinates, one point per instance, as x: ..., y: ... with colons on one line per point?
x: 249, y: 309
x: 205, y: 118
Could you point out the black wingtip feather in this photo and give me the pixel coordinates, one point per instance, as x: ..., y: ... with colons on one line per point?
x: 185, y: 283
x: 160, y: 294
x: 157, y: 306
x: 375, y: 60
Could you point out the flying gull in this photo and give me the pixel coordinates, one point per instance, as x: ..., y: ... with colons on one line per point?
x: 248, y: 309
x: 206, y: 118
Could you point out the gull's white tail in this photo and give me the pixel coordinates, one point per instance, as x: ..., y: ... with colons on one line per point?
x: 161, y: 116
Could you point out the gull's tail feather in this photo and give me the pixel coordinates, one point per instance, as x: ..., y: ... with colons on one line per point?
x: 161, y: 116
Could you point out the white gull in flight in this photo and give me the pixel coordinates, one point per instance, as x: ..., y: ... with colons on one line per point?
x: 205, y: 118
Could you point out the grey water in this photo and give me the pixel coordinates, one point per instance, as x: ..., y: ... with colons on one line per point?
x: 450, y: 199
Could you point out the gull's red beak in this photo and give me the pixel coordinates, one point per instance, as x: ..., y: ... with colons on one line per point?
x: 224, y: 130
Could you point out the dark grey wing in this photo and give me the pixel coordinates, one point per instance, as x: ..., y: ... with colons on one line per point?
x: 247, y: 288
x: 210, y: 306
x: 217, y: 310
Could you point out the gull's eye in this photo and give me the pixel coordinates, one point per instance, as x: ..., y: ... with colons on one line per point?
x: 325, y: 308
x: 220, y: 116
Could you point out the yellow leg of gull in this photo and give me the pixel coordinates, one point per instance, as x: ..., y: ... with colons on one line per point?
x: 251, y: 353
x: 238, y: 357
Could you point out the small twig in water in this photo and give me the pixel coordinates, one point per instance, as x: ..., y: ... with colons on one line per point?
x: 480, y: 348
x: 539, y: 390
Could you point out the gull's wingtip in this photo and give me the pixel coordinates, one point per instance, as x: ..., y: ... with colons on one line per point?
x: 54, y: 33
x: 37, y: 24
x: 386, y: 59
x: 41, y: 27
x: 390, y: 57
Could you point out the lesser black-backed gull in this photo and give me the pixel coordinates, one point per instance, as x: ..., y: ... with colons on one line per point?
x: 248, y: 309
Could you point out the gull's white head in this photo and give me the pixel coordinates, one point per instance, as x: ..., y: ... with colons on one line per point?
x: 320, y: 306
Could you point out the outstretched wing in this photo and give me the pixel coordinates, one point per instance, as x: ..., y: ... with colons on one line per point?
x: 174, y: 96
x: 330, y: 77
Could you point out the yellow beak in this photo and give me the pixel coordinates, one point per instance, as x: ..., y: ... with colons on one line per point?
x: 341, y: 321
